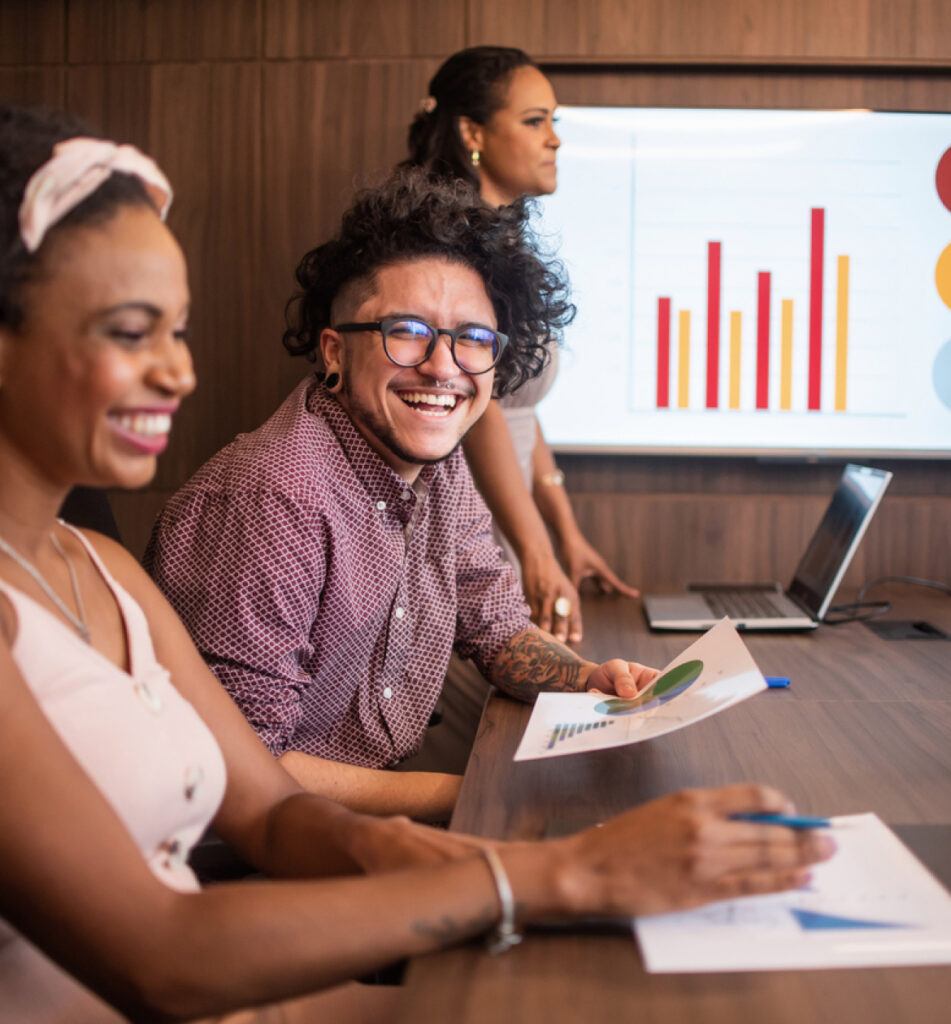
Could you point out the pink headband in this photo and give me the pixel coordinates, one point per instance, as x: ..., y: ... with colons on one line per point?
x: 75, y: 170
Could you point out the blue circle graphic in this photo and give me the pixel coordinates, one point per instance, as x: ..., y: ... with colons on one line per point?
x: 941, y: 373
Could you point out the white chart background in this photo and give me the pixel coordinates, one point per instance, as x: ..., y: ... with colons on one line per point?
x: 641, y: 193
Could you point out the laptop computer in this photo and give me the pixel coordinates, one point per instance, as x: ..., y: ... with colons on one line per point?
x: 806, y: 600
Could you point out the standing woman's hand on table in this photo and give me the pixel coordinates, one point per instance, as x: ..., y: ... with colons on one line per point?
x: 553, y: 600
x: 583, y: 562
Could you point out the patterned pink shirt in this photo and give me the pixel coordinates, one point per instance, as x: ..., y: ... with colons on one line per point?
x: 324, y: 592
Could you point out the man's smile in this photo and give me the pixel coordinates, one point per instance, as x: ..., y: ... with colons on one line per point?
x: 434, y: 404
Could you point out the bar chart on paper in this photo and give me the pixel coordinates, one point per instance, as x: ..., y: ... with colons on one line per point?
x: 753, y: 280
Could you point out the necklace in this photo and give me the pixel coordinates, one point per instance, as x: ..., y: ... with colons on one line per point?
x: 78, y: 622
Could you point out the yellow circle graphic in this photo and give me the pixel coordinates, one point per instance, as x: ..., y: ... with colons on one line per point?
x: 942, y: 276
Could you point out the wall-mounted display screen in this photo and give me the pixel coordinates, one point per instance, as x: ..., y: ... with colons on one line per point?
x: 760, y: 281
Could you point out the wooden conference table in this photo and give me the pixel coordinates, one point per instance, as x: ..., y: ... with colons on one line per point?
x: 866, y: 726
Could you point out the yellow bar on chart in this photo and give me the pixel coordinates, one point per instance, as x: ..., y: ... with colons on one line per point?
x: 785, y: 354
x: 841, y: 331
x: 736, y: 334
x: 683, y: 361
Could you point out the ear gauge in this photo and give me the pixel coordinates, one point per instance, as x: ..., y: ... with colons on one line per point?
x: 475, y: 157
x: 332, y: 381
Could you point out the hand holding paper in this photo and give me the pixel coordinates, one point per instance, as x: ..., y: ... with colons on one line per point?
x: 712, y: 674
x: 624, y: 678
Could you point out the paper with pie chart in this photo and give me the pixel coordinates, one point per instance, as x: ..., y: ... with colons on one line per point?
x: 872, y: 904
x: 711, y: 675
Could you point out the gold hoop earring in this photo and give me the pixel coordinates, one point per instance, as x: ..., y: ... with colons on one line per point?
x: 476, y: 157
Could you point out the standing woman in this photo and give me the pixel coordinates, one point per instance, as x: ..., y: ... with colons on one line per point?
x: 489, y: 120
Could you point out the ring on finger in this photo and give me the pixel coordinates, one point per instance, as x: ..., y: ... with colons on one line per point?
x: 562, y: 607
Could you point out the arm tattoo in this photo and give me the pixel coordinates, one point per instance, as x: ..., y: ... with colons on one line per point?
x: 534, y: 661
x: 445, y: 931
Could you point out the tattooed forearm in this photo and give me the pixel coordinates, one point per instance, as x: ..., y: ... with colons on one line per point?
x: 535, y: 661
x: 445, y: 931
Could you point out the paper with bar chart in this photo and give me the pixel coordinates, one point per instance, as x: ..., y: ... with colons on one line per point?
x: 711, y: 675
x: 754, y: 280
x: 872, y: 904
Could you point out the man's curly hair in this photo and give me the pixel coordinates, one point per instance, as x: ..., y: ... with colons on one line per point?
x: 412, y: 216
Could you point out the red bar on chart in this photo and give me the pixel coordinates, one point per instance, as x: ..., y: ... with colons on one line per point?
x: 713, y: 324
x: 816, y: 258
x: 663, y: 353
x: 762, y: 340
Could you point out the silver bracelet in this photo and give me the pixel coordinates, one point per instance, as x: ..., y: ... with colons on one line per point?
x: 505, y: 935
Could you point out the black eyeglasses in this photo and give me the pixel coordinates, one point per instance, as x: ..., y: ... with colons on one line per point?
x: 409, y: 341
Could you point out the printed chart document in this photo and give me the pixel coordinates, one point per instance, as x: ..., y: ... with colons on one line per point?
x: 872, y: 904
x: 711, y: 675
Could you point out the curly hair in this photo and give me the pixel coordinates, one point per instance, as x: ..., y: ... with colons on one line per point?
x: 27, y: 138
x: 470, y: 83
x: 412, y: 217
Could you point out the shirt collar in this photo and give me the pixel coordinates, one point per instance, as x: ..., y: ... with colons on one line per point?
x: 380, y: 479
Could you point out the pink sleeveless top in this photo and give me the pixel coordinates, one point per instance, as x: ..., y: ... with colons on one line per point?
x: 141, y: 743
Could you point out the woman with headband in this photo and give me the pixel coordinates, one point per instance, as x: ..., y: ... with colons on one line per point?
x: 118, y: 747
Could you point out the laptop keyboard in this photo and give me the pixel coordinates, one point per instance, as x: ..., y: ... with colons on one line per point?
x: 743, y: 605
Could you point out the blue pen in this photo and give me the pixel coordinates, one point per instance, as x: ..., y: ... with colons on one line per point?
x: 777, y: 682
x: 787, y: 820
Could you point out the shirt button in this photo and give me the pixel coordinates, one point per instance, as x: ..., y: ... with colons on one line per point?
x: 387, y: 692
x: 381, y: 506
x: 406, y: 495
x: 151, y: 700
x: 400, y: 612
x: 194, y: 776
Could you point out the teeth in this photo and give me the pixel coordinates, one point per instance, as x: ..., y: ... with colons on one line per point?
x: 424, y: 398
x: 146, y: 424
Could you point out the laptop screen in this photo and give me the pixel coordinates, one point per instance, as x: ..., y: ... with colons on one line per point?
x: 823, y: 565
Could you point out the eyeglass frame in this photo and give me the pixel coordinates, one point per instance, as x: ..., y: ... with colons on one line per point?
x: 453, y: 333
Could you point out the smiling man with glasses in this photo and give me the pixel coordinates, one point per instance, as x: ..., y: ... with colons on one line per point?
x: 328, y: 563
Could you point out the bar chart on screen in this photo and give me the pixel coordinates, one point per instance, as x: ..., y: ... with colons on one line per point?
x: 754, y: 280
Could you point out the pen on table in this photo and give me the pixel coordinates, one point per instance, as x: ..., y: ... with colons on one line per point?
x: 777, y: 682
x: 787, y: 820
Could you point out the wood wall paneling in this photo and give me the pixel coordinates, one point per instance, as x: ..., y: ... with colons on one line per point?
x: 136, y: 512
x: 163, y: 30
x: 32, y: 31
x: 718, y: 29
x: 372, y: 28
x: 31, y: 87
x: 735, y: 87
x: 205, y: 133
x: 659, y: 540
x: 113, y: 98
x: 314, y: 159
